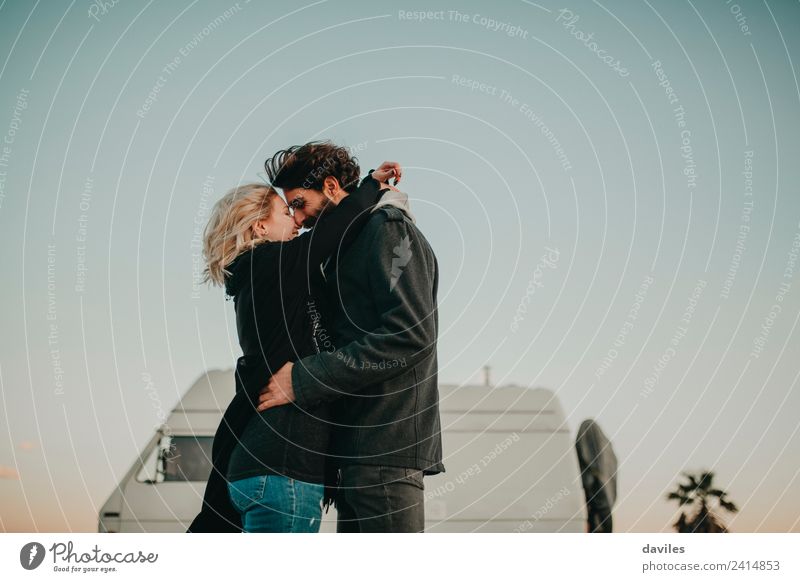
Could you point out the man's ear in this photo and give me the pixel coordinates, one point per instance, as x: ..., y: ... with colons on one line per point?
x: 331, y: 188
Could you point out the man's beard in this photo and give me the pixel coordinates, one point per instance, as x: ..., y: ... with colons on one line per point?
x: 311, y: 221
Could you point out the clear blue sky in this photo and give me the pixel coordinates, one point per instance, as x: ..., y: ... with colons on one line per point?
x: 618, y: 140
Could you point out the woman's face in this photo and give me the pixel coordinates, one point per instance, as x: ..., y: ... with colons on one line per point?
x: 280, y: 225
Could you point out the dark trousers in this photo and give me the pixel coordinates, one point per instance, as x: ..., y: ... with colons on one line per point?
x: 217, y: 513
x: 379, y: 498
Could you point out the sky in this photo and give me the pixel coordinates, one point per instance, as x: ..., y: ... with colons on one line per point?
x: 611, y: 190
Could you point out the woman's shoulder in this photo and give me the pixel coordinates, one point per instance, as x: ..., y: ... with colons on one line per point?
x: 266, y: 259
x: 277, y: 248
x: 276, y: 257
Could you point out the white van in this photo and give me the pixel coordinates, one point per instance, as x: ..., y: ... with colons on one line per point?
x: 511, y: 464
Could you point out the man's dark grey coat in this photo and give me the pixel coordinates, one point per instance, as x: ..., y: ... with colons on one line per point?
x: 381, y: 370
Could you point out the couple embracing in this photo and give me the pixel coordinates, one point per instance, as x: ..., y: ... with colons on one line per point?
x: 336, y: 392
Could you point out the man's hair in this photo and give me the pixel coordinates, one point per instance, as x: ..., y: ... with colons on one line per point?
x: 307, y: 166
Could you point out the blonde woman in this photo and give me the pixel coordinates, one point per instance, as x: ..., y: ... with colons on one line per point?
x: 269, y: 468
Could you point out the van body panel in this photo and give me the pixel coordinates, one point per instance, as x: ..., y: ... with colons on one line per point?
x: 510, y: 464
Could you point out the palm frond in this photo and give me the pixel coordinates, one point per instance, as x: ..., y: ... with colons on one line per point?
x: 706, y: 477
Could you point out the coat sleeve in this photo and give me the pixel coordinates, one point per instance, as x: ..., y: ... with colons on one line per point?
x: 402, y: 274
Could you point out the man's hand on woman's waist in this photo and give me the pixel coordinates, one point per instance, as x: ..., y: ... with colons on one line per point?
x: 279, y: 389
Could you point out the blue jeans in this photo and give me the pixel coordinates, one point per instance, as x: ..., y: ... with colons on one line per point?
x: 274, y: 503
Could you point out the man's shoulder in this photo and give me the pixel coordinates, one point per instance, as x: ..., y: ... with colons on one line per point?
x: 389, y: 213
x: 388, y: 226
x: 389, y: 222
x: 380, y: 219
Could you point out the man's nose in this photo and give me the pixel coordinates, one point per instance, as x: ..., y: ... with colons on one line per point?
x: 299, y: 217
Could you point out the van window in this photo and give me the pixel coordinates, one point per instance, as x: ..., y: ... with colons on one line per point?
x: 178, y: 458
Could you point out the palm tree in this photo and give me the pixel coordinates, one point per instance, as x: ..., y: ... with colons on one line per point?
x: 697, y: 491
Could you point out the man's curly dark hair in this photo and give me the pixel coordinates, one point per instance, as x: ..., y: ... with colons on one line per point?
x: 307, y: 166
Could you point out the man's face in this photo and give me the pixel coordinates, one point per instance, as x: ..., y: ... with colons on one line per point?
x: 307, y: 205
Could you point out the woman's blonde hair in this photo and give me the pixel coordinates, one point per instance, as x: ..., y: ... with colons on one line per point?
x: 229, y: 231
